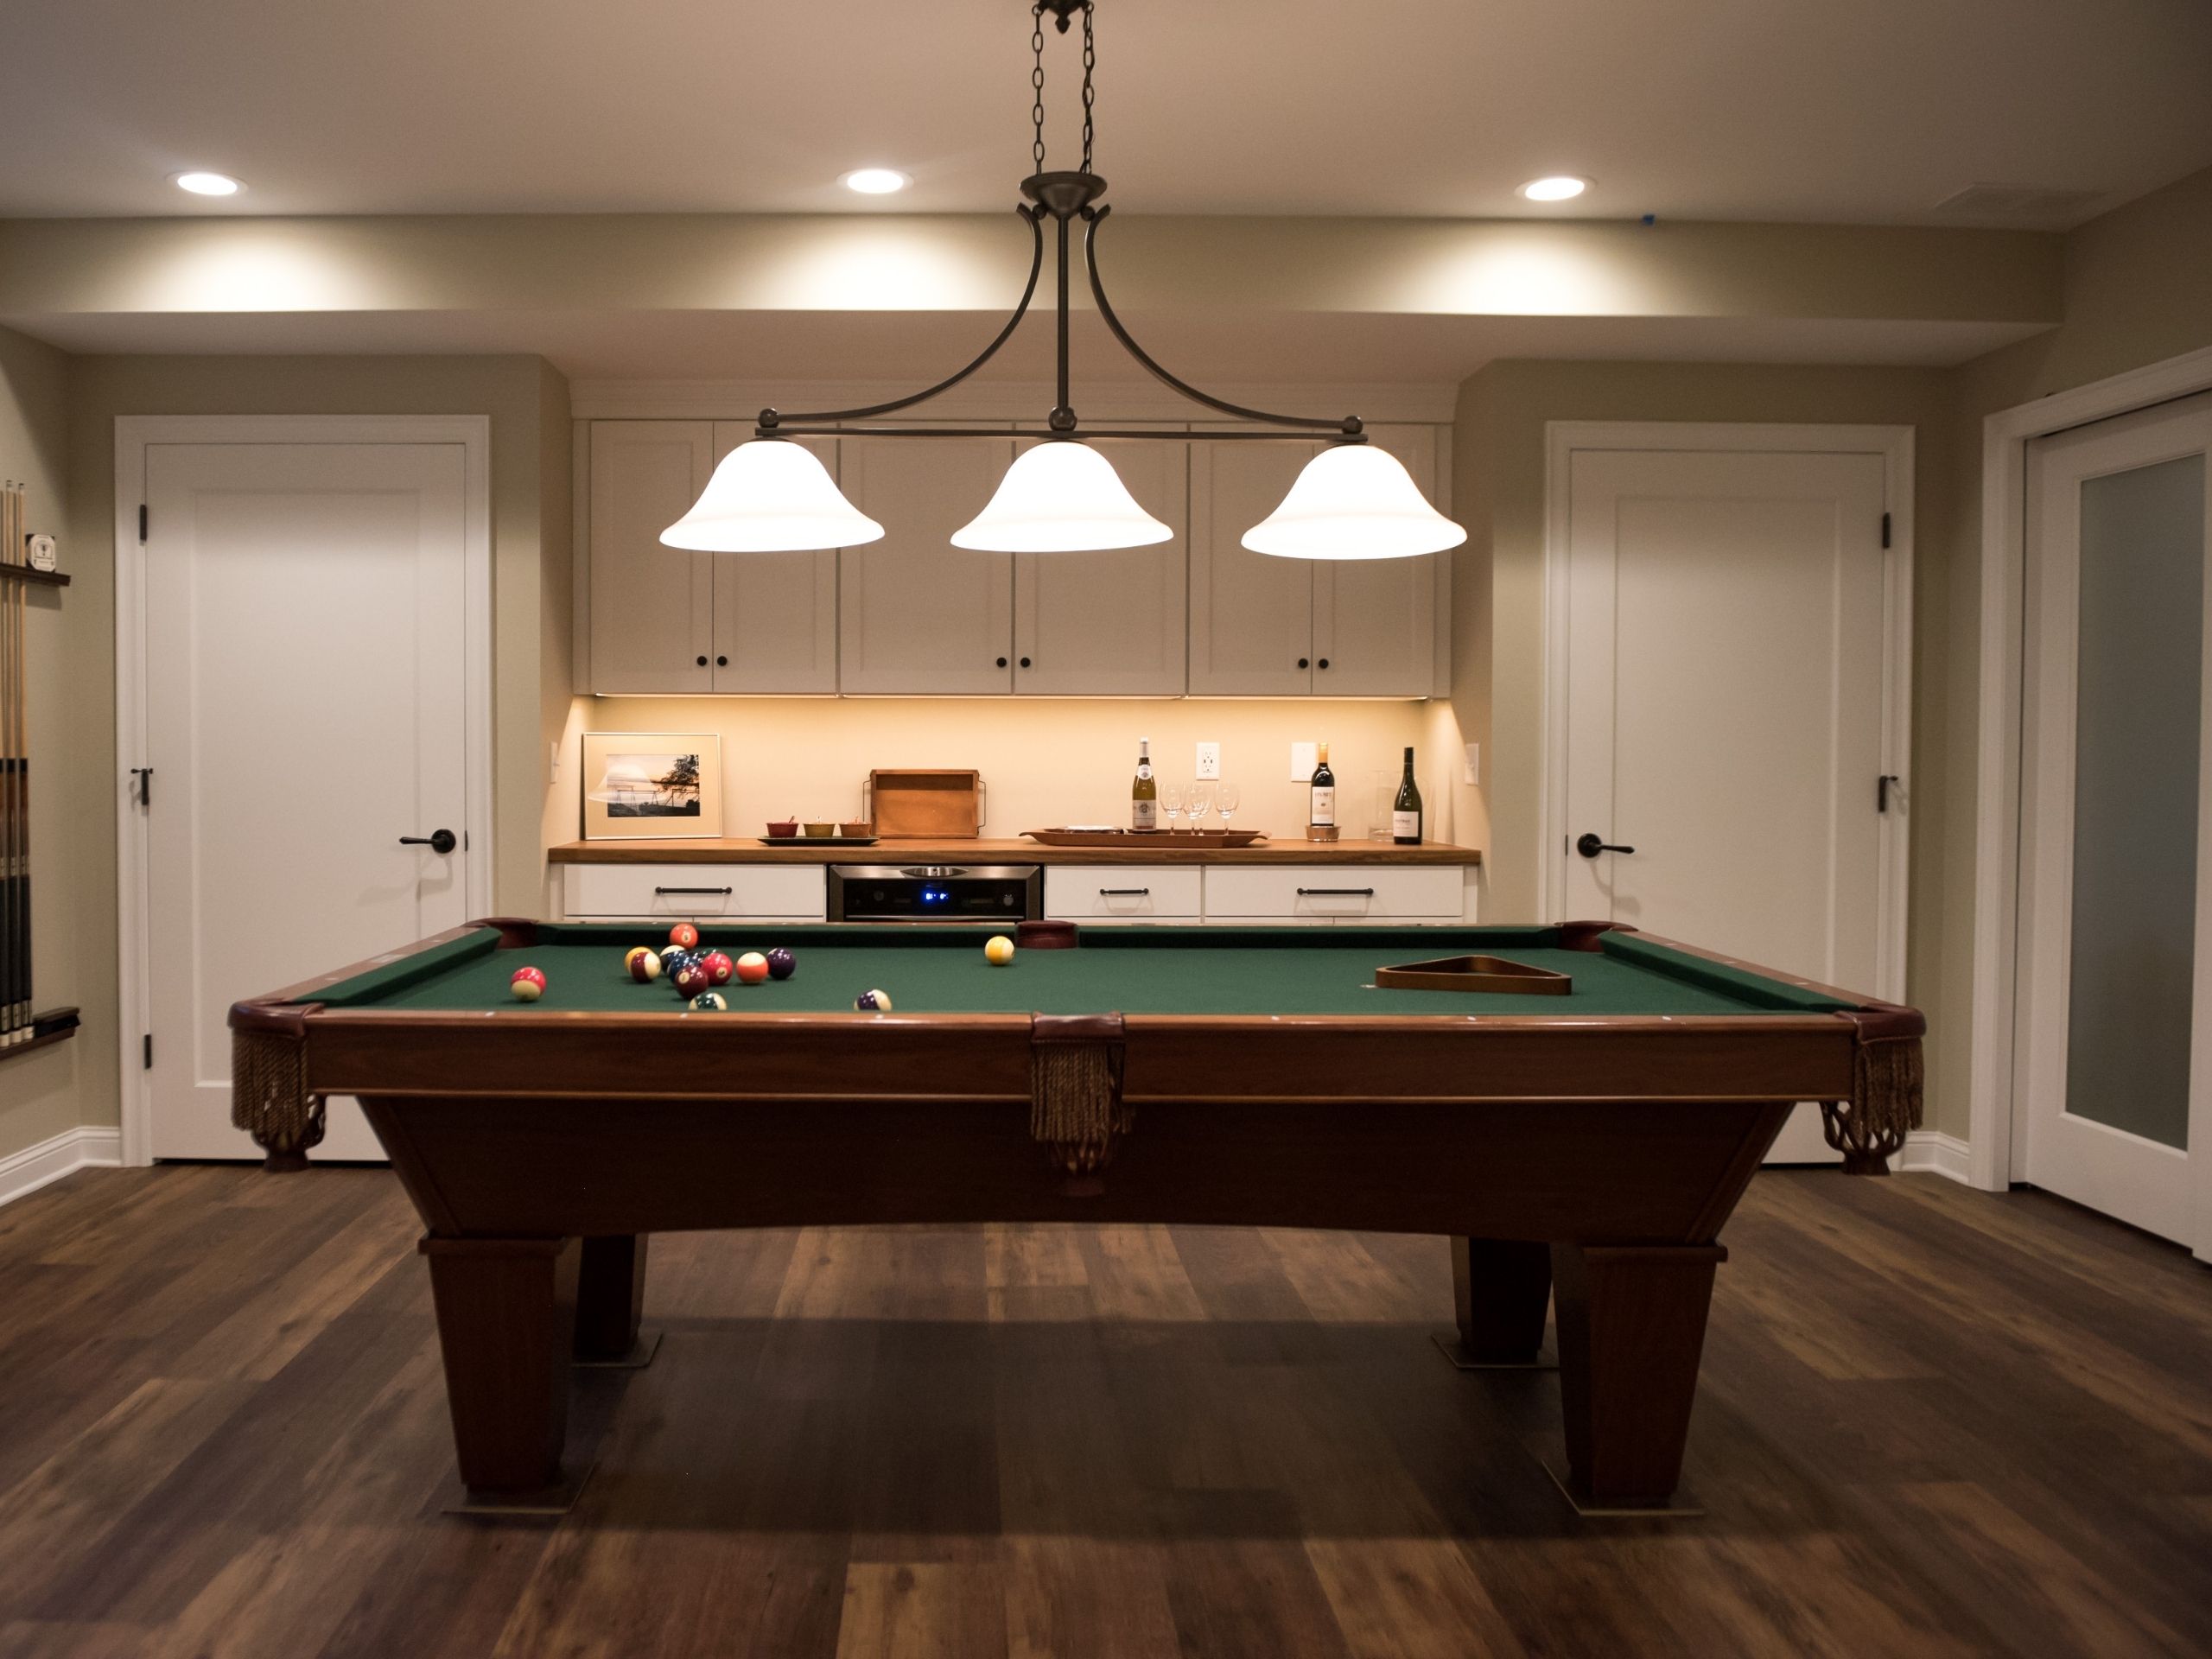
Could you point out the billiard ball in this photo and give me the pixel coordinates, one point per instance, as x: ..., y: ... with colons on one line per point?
x: 684, y: 936
x: 751, y: 968
x: 709, y: 1002
x: 691, y: 979
x: 781, y: 963
x: 644, y: 965
x: 718, y: 966
x: 528, y: 984
x: 999, y: 951
x: 673, y: 959
x: 872, y: 1002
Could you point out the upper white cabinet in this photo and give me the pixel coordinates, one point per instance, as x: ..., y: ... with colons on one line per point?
x: 1267, y: 627
x: 775, y: 614
x: 918, y: 616
x: 652, y: 607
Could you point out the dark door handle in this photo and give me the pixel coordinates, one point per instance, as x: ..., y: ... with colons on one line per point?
x: 1589, y: 846
x: 438, y: 841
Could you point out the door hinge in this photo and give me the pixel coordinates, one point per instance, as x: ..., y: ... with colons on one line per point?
x: 149, y: 1051
x: 1886, y: 530
x: 142, y: 523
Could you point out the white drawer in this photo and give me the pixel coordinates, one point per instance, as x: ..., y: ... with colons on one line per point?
x: 1393, y: 893
x: 790, y: 892
x: 1137, y: 893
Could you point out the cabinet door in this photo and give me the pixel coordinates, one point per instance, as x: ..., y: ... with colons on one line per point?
x: 1374, y: 620
x: 1110, y: 624
x: 652, y: 607
x: 775, y: 614
x: 1251, y: 614
x: 917, y: 615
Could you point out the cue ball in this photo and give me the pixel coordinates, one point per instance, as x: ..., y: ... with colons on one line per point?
x: 709, y: 1002
x: 684, y: 936
x: 644, y: 965
x: 999, y: 951
x: 718, y: 966
x: 691, y: 979
x: 872, y: 1002
x: 751, y: 968
x: 528, y: 984
x: 781, y: 963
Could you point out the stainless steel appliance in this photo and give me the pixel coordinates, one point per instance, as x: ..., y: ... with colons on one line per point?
x: 936, y: 893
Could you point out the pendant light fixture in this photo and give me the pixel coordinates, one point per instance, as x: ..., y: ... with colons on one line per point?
x: 1352, y: 501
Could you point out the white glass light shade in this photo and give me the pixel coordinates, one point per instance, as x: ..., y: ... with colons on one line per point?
x: 771, y: 496
x: 1354, y: 501
x: 1060, y: 497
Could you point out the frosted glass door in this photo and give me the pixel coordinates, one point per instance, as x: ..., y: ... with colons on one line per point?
x: 2114, y: 878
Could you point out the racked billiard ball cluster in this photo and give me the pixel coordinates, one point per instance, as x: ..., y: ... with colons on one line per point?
x: 695, y: 974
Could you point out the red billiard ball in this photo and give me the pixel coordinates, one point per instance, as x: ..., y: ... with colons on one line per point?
x: 527, y: 984
x: 751, y: 968
x: 684, y: 937
x: 691, y: 979
x: 718, y: 965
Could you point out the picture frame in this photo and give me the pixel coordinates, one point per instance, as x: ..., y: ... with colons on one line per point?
x: 651, y: 786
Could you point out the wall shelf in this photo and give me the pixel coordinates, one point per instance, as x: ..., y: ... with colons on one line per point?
x: 42, y: 578
x: 54, y: 1026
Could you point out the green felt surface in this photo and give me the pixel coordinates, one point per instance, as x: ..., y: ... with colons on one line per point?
x: 1114, y: 969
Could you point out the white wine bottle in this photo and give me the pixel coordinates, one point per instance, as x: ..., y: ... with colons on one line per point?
x: 1321, y: 794
x: 1144, y: 793
x: 1405, y: 810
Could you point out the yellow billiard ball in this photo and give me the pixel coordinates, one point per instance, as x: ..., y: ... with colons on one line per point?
x: 999, y: 951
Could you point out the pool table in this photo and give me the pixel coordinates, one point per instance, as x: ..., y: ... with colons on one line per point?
x: 1584, y: 1149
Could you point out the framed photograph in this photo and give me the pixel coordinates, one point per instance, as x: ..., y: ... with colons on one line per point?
x: 651, y: 784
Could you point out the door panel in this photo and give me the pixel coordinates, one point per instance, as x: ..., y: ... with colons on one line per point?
x: 2113, y: 979
x: 305, y: 708
x: 775, y: 615
x: 651, y: 605
x: 1727, y: 690
x: 1374, y: 620
x: 1251, y: 615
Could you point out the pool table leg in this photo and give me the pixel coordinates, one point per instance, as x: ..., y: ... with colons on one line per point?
x: 506, y: 1323
x: 610, y: 1302
x: 1500, y: 1289
x: 1631, y: 1327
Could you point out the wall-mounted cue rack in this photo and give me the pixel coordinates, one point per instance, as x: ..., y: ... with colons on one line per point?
x: 21, y: 1027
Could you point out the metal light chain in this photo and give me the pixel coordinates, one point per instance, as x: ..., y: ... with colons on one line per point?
x: 1090, y: 63
x: 1037, y: 82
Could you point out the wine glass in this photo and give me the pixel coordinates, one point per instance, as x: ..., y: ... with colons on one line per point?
x: 1201, y: 803
x: 1226, y: 796
x: 1171, y: 804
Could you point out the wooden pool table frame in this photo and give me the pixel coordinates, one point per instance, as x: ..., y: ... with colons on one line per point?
x: 1589, y: 1158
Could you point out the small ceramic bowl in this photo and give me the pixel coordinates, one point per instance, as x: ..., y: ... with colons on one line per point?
x: 821, y: 830
x: 782, y: 827
x: 850, y: 830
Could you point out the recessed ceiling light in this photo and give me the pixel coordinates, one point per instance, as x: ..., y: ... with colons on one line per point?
x: 875, y: 180
x: 1562, y: 187
x: 208, y: 184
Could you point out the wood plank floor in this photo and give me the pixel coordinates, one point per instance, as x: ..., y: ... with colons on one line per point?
x: 1933, y: 1422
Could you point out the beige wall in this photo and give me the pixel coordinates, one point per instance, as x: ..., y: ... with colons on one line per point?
x: 40, y: 1092
x: 1044, y: 761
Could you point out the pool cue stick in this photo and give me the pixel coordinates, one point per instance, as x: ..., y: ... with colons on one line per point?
x: 10, y: 697
x: 20, y: 554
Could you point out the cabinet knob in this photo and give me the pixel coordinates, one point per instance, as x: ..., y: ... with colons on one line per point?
x: 1001, y: 662
x: 1302, y: 663
x: 702, y: 662
x: 1025, y: 662
x: 1323, y: 663
x: 723, y: 662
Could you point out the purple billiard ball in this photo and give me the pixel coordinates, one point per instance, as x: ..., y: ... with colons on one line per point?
x: 781, y: 963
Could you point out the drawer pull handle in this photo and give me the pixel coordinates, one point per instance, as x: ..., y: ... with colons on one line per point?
x: 1336, y: 892
x: 1125, y: 893
x: 724, y: 892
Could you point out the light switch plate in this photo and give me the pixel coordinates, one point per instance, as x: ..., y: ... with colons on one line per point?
x: 1303, y: 759
x: 1209, y: 761
x: 1474, y: 763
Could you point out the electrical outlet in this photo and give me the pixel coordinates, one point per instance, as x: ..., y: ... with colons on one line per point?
x: 1209, y: 762
x: 1474, y: 763
x: 1304, y: 757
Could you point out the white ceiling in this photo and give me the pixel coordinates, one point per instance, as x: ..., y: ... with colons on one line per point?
x: 1873, y: 111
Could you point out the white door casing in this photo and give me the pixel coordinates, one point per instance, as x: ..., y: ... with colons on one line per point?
x: 1728, y: 679
x: 2060, y: 1140
x: 303, y: 660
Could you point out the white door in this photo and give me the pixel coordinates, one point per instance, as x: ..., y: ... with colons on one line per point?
x: 1730, y: 670
x: 1110, y: 624
x: 916, y: 615
x: 306, y: 705
x: 651, y: 605
x: 2115, y: 987
x: 775, y: 614
x: 1374, y: 620
x: 1251, y: 614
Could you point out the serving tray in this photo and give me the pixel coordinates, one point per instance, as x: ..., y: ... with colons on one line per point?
x: 1161, y: 838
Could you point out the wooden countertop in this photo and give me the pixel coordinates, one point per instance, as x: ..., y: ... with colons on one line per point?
x: 747, y: 849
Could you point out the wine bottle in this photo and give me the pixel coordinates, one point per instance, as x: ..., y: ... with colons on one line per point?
x: 1405, y: 812
x: 1144, y: 793
x: 1321, y: 794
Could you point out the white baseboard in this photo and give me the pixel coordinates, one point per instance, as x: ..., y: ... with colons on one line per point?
x: 1930, y: 1152
x: 50, y: 1160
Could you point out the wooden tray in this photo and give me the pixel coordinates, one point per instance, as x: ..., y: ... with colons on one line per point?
x: 1492, y: 974
x: 925, y: 803
x: 1165, y: 840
